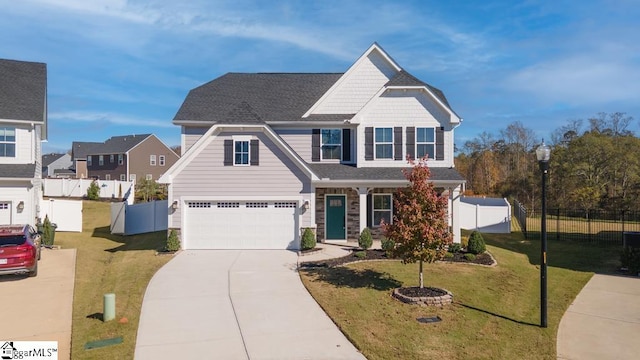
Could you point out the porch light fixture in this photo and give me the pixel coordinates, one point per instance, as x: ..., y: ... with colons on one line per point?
x: 306, y: 205
x: 174, y: 205
x: 20, y: 206
x: 543, y: 153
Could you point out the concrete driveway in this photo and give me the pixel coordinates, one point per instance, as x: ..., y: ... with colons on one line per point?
x: 603, y: 322
x: 235, y: 304
x: 40, y: 308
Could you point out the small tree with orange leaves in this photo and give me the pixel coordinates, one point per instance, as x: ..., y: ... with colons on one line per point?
x: 420, y: 228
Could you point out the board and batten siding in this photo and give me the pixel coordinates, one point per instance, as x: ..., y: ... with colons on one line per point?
x: 399, y: 108
x: 299, y: 140
x: 206, y: 176
x: 359, y: 86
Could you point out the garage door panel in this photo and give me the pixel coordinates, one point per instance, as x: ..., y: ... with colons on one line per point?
x: 241, y: 225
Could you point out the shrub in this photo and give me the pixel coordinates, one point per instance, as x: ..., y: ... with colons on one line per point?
x: 173, y: 243
x: 308, y: 239
x: 448, y: 255
x: 48, y: 232
x: 476, y: 243
x: 455, y: 247
x: 365, y: 241
x: 630, y: 259
x: 361, y: 254
x: 387, y: 244
x: 93, y: 191
x: 469, y: 256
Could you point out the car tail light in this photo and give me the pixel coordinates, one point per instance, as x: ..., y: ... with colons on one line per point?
x: 27, y: 248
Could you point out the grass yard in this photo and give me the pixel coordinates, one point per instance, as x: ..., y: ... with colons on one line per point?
x: 496, y: 310
x: 108, y: 263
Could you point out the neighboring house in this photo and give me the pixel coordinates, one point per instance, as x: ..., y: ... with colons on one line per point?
x: 23, y: 125
x: 130, y: 157
x: 53, y: 162
x: 266, y: 155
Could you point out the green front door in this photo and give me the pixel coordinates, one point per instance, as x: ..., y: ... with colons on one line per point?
x: 334, y: 208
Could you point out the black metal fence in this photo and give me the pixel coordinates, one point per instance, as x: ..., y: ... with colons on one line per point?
x: 593, y: 226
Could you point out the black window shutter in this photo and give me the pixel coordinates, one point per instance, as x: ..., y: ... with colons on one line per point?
x: 369, y: 211
x: 228, y: 152
x: 346, y: 144
x: 368, y: 143
x: 440, y: 143
x: 411, y: 143
x: 254, y: 148
x: 397, y: 143
x: 315, y: 145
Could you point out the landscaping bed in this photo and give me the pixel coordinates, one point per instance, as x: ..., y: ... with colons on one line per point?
x: 377, y: 254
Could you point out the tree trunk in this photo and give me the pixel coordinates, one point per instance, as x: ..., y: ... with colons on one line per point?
x: 421, y: 280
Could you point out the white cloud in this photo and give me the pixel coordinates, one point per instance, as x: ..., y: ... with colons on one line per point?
x: 108, y: 118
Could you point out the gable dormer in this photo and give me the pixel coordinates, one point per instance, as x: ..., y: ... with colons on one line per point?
x: 358, y: 85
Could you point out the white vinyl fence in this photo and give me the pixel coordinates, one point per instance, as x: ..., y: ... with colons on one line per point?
x: 109, y: 189
x: 66, y: 214
x: 139, y: 218
x: 488, y: 215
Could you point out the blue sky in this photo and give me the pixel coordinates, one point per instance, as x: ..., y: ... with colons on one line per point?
x: 118, y: 67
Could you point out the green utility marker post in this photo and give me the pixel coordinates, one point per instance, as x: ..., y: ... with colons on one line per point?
x: 109, y: 311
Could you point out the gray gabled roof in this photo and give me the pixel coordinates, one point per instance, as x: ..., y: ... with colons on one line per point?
x: 114, y: 145
x: 17, y: 171
x: 271, y: 96
x: 350, y: 172
x: 23, y: 90
x: 49, y: 158
x: 80, y: 149
x: 403, y: 78
x: 246, y: 98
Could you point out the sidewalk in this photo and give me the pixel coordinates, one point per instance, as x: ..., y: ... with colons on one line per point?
x: 331, y: 251
x: 603, y: 322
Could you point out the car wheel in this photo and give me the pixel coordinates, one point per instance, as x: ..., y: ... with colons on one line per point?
x: 34, y: 272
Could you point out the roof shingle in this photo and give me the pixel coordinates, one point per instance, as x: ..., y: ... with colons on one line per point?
x: 23, y: 89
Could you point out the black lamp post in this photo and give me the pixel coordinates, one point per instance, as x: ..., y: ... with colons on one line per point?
x: 543, y: 153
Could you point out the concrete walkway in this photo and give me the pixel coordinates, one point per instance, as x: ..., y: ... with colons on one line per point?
x: 603, y: 322
x: 233, y: 304
x: 40, y: 308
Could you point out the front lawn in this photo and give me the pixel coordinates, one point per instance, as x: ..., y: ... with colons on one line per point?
x: 495, y: 314
x: 108, y: 263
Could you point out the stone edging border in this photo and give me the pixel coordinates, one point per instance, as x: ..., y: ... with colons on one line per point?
x: 424, y: 300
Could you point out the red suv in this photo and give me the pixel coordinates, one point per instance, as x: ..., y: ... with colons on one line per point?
x: 20, y: 249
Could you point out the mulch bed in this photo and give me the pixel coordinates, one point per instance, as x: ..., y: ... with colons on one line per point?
x: 377, y: 254
x: 415, y: 292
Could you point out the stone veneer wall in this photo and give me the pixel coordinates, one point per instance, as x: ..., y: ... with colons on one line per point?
x: 353, y: 211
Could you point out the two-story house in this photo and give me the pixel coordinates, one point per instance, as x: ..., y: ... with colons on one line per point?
x: 268, y: 154
x: 56, y: 165
x: 125, y: 158
x: 23, y: 125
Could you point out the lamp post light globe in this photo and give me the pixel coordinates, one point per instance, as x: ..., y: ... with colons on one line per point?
x: 543, y: 153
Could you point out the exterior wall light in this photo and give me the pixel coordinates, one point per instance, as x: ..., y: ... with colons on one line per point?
x: 174, y: 205
x: 20, y: 206
x: 306, y: 205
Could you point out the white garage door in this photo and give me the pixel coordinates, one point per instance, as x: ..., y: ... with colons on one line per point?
x: 5, y: 213
x: 241, y: 225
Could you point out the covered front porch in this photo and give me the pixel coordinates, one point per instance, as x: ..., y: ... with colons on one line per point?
x: 342, y: 212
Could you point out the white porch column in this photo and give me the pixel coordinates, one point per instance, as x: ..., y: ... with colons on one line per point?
x: 454, y: 195
x: 362, y: 194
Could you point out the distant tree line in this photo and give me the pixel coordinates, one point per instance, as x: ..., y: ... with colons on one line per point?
x: 595, y: 164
